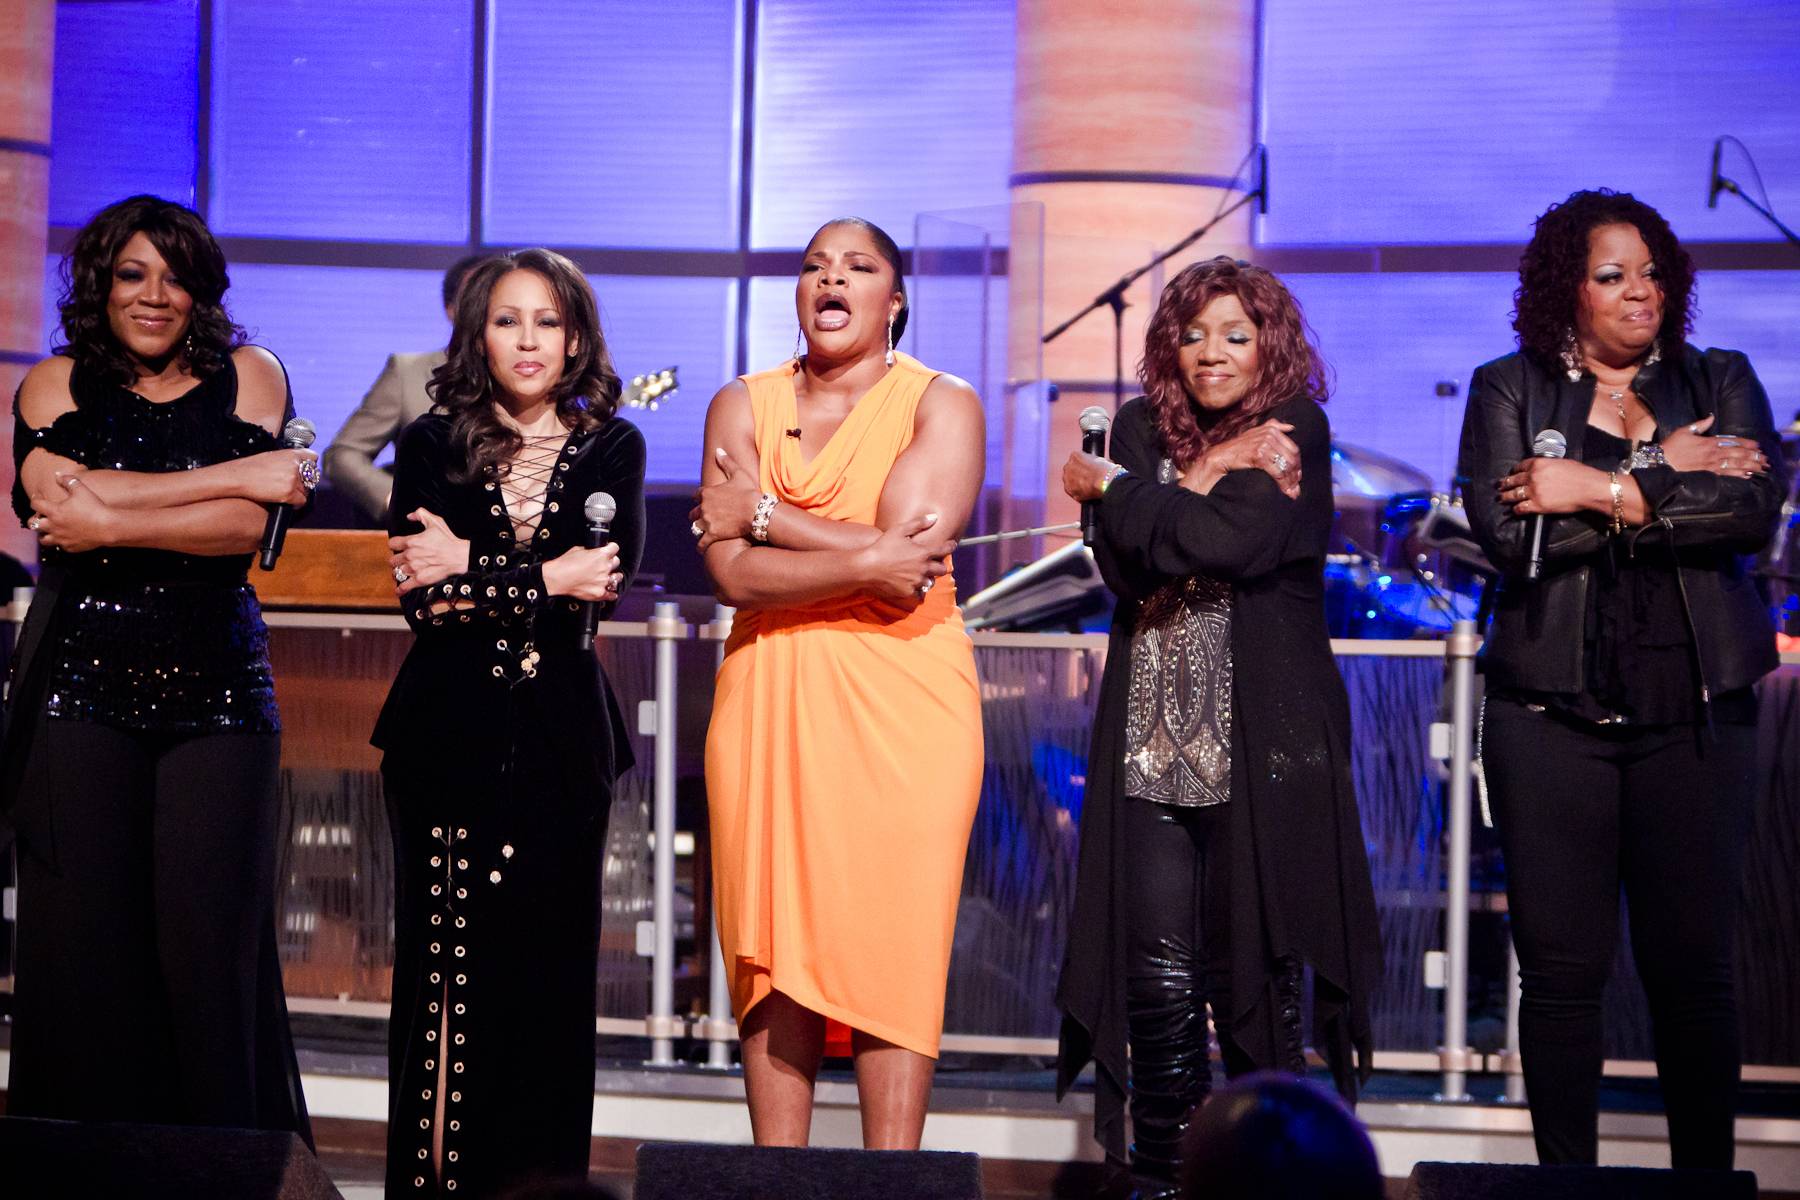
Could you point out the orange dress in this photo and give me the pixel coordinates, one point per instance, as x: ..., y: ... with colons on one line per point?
x: 844, y: 759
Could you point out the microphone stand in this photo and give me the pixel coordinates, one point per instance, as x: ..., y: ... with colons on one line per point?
x: 1114, y: 296
x: 1730, y: 185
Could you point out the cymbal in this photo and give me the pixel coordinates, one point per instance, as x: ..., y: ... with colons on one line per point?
x: 1360, y: 472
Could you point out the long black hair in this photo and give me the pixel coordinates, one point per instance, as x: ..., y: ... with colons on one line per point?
x: 189, y: 248
x: 586, y: 396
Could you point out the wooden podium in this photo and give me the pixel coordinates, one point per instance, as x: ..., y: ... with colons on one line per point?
x: 330, y: 569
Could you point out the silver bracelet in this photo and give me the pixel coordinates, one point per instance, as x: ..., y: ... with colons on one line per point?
x: 1650, y: 454
x: 759, y: 522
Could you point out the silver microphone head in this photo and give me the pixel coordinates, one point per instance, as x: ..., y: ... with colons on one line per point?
x: 1094, y: 419
x: 298, y: 433
x: 1549, y: 444
x: 600, y: 508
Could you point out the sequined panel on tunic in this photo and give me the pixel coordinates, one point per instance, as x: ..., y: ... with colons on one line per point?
x: 1178, y: 711
x: 180, y: 659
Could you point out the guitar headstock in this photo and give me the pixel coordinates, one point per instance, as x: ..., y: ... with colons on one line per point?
x: 649, y: 391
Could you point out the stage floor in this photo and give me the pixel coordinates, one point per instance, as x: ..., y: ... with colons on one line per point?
x: 1007, y: 1112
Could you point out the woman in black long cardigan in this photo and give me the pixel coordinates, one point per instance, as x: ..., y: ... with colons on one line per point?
x: 502, y: 738
x: 1221, y: 850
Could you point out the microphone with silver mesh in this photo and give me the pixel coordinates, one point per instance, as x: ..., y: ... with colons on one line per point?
x: 1547, y: 444
x: 1094, y: 422
x: 297, y: 434
x: 599, y: 510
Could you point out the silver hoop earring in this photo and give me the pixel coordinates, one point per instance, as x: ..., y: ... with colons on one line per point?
x: 890, y: 349
x: 1571, y: 356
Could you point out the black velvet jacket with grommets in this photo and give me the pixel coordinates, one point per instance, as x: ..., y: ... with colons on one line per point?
x: 502, y: 672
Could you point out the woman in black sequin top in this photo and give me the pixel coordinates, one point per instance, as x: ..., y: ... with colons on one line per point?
x: 1221, y: 848
x: 502, y: 739
x: 143, y: 743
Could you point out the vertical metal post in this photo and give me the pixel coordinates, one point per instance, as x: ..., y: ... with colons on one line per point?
x: 717, y: 1028
x: 1453, y: 1055
x: 1511, y: 1062
x: 667, y: 629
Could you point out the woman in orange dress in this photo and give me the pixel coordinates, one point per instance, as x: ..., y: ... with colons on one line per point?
x: 844, y: 759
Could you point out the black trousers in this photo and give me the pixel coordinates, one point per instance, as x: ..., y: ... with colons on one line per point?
x: 1177, y: 962
x: 149, y: 986
x: 1661, y: 813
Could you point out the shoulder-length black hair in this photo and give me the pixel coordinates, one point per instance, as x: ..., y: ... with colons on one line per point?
x: 586, y: 396
x: 189, y: 248
x: 1554, y: 265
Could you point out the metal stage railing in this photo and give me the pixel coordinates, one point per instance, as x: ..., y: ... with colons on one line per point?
x: 332, y: 670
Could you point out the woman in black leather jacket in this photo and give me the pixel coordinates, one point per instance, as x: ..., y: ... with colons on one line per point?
x: 1619, y: 734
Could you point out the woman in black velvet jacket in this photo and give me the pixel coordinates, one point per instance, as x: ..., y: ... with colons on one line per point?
x: 1221, y: 860
x: 1619, y: 732
x: 502, y: 739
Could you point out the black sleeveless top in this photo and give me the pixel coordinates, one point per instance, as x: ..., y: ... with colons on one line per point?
x: 144, y: 639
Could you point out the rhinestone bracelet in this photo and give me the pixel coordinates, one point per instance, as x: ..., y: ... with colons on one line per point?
x: 759, y: 522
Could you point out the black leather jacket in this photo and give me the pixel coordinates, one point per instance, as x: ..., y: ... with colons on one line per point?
x: 1708, y: 524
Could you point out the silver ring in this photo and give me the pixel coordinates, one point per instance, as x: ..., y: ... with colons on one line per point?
x: 400, y: 575
x: 309, y: 473
x: 1280, y: 461
x: 925, y: 587
x: 697, y: 529
x: 33, y: 524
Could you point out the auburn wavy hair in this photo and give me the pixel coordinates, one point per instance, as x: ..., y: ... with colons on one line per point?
x: 189, y: 248
x: 1554, y: 266
x: 586, y: 396
x: 1288, y: 366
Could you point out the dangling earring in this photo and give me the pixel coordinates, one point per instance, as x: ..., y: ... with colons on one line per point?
x: 890, y: 350
x: 1655, y: 355
x: 1571, y: 356
x: 187, y: 346
x: 799, y: 344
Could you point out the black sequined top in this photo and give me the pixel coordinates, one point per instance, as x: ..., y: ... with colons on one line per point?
x: 154, y: 639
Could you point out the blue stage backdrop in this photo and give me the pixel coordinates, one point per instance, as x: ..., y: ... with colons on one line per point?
x: 350, y: 150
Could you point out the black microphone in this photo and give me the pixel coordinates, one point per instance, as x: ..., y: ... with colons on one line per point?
x: 1715, y: 185
x: 297, y: 434
x: 1262, y: 186
x: 1547, y: 444
x: 599, y: 510
x: 1094, y: 422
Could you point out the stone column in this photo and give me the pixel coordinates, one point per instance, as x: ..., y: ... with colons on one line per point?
x: 1129, y: 118
x: 27, y: 39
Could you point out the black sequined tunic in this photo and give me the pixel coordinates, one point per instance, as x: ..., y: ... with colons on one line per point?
x: 154, y: 640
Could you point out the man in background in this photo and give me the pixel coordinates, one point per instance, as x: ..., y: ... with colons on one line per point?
x: 394, y: 400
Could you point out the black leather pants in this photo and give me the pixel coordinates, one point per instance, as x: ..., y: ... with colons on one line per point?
x: 1176, y: 898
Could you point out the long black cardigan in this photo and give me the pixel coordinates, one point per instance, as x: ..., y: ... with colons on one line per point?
x: 1300, y: 874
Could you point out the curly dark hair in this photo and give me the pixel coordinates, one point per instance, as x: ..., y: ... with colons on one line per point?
x: 187, y: 245
x: 889, y: 250
x: 1288, y: 365
x: 586, y: 396
x: 1554, y: 265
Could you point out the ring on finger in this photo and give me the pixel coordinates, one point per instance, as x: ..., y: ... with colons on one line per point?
x: 697, y: 529
x: 400, y: 575
x: 34, y: 524
x: 1280, y: 461
x: 309, y: 473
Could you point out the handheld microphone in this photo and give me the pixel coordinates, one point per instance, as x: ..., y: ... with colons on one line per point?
x: 599, y: 509
x: 1715, y: 185
x: 297, y: 434
x: 1094, y: 422
x: 1547, y: 444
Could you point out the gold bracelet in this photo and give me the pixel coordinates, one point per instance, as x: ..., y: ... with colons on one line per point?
x: 1618, y: 502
